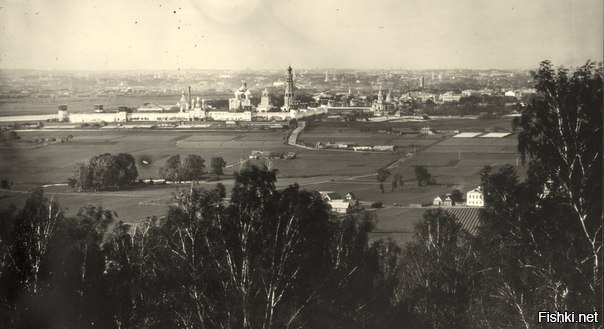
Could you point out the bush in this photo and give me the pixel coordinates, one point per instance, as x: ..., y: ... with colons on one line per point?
x: 377, y: 204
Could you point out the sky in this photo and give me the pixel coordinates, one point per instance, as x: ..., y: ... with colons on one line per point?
x: 308, y: 34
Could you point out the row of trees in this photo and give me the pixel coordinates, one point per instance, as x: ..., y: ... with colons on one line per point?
x: 267, y: 259
x: 104, y: 171
x: 422, y: 175
x: 189, y: 168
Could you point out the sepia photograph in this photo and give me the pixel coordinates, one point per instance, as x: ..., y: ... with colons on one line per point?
x: 301, y: 164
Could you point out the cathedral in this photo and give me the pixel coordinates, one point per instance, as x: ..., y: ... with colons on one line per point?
x: 242, y: 100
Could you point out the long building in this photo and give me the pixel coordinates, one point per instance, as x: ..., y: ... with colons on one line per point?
x: 189, y: 109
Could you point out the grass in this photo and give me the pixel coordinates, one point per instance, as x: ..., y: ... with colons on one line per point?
x: 454, y: 163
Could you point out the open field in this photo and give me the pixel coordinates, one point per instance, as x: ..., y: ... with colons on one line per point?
x: 355, y: 136
x: 32, y: 105
x: 459, y: 124
x: 455, y: 163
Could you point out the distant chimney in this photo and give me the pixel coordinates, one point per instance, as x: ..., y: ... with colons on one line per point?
x: 189, y: 97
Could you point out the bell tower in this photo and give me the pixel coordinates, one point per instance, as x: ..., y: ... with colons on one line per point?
x: 288, y: 99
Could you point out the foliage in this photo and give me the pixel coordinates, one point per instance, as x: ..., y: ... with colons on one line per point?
x: 217, y: 164
x: 5, y: 184
x: 437, y: 271
x: 54, y: 258
x: 383, y: 175
x: 422, y: 175
x: 377, y: 204
x: 456, y: 196
x: 539, y: 245
x: 397, y: 180
x: 9, y: 135
x: 171, y: 170
x: 267, y: 258
x: 177, y: 169
x: 104, y: 171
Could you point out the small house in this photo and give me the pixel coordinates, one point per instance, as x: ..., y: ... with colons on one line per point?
x: 443, y: 201
x: 330, y: 195
x: 350, y: 196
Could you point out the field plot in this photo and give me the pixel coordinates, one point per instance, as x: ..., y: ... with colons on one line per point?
x: 467, y: 135
x: 472, y: 145
x: 494, y: 135
x: 356, y: 136
x: 97, y: 137
x: 398, y: 223
x: 135, y: 137
x: 313, y: 163
x: 479, y: 142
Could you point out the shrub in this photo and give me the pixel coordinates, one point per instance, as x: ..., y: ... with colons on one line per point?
x: 377, y: 204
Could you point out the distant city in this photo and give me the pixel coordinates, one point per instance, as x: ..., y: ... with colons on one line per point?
x: 262, y: 95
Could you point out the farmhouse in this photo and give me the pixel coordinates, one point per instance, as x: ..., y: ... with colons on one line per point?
x: 427, y: 131
x: 443, y: 200
x: 330, y: 195
x: 350, y: 196
x: 339, y: 204
x: 474, y: 198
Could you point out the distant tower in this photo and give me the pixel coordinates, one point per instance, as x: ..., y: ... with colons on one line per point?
x: 326, y: 76
x: 184, y: 106
x: 265, y: 101
x: 421, y: 82
x: 288, y: 99
x: 63, y: 116
x: 380, y: 98
x: 190, y: 105
x: 379, y: 104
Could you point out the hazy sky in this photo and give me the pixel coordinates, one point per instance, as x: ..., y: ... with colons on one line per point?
x: 269, y: 34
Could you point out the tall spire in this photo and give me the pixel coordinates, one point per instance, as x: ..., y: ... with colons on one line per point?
x: 288, y: 99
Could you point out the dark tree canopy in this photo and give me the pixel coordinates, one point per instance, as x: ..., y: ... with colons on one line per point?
x: 179, y: 169
x: 104, y: 171
x: 539, y: 245
x: 561, y: 135
x: 217, y: 164
x: 422, y: 175
x: 267, y: 258
x: 383, y: 175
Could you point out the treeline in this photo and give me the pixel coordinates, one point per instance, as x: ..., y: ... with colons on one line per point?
x: 266, y: 259
x: 107, y: 171
x: 475, y: 105
x: 189, y: 168
x: 104, y: 171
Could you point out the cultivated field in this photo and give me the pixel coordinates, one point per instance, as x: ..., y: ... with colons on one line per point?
x: 31, y: 105
x: 455, y: 163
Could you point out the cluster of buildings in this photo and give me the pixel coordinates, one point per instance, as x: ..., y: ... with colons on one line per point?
x: 195, y: 109
x: 354, y: 147
x: 340, y: 204
x: 474, y: 198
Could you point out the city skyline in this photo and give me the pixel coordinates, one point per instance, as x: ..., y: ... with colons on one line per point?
x: 264, y: 34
